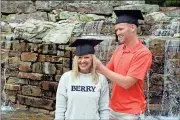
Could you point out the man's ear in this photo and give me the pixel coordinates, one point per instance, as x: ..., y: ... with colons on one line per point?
x: 133, y: 27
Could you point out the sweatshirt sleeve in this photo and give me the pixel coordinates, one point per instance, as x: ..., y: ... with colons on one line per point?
x: 104, y: 100
x: 61, y: 99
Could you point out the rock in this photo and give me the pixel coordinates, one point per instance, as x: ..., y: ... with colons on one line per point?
x: 31, y: 90
x: 25, y: 66
x: 49, y: 77
x: 49, y: 95
x: 60, y: 34
x: 115, y: 3
x: 46, y: 67
x: 59, y: 72
x: 171, y: 11
x: 66, y: 62
x: 28, y: 56
x: 14, y: 60
x: 20, y: 18
x: 157, y: 79
x: 157, y: 17
x: 57, y: 77
x: 157, y: 47
x: 145, y: 8
x: 93, y: 28
x: 14, y: 53
x: 36, y: 102
x: 31, y: 47
x: 156, y: 107
x: 78, y: 28
x: 67, y: 54
x: 19, y: 106
x: 59, y: 66
x: 17, y: 7
x: 16, y: 46
x: 32, y: 76
x: 52, y: 49
x: 103, y: 9
x: 41, y: 58
x: 177, y: 35
x: 34, y: 82
x: 5, y: 27
x: 52, y: 17
x: 49, y: 68
x: 37, y: 110
x: 8, y: 45
x: 95, y: 17
x: 52, y: 113
x: 173, y: 55
x: 15, y: 80
x: 37, y: 67
x: 54, y: 59
x: 33, y: 29
x: 50, y: 5
x: 45, y: 48
x: 12, y: 87
x: 74, y: 16
x: 50, y: 86
x: 65, y: 69
x: 129, y: 2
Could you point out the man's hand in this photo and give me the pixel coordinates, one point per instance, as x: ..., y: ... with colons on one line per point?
x: 98, y: 64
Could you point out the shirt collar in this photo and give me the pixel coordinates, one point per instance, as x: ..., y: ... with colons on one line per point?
x: 133, y: 49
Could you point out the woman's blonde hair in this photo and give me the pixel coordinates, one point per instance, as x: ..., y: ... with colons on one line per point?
x: 75, y: 69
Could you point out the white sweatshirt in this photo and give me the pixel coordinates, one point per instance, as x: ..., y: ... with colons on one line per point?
x: 82, y: 99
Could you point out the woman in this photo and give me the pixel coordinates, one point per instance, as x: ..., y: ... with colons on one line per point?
x: 83, y: 93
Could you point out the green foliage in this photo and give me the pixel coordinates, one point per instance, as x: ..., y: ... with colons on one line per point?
x: 159, y: 2
x: 174, y: 3
x: 164, y: 3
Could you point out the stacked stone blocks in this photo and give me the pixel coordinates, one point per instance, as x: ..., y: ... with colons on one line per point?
x: 33, y: 72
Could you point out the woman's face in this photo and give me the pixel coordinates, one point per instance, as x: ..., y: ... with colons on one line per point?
x: 84, y: 63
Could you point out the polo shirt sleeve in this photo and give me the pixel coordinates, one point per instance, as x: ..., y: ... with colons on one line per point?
x: 110, y: 64
x: 140, y: 65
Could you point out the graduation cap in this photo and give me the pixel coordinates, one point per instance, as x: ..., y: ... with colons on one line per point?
x: 128, y: 16
x: 85, y: 46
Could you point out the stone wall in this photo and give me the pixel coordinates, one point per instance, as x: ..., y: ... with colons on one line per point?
x: 33, y: 71
x: 35, y: 52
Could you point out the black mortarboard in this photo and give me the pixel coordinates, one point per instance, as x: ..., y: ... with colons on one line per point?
x: 128, y: 16
x: 85, y: 46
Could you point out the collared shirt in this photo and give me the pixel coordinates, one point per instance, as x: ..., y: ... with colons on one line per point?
x: 133, y: 62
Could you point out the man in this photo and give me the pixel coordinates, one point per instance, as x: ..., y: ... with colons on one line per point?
x: 127, y: 69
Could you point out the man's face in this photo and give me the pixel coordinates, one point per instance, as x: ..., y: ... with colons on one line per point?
x: 123, y: 31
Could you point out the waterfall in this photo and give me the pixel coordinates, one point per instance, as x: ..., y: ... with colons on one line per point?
x: 93, y: 28
x: 171, y: 96
x: 168, y: 29
x: 5, y: 103
x: 146, y: 42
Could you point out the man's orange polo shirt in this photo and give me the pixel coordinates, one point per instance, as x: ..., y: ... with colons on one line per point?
x: 133, y: 62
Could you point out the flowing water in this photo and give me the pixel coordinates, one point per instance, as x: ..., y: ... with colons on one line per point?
x: 93, y: 28
x: 168, y: 28
x: 171, y: 75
